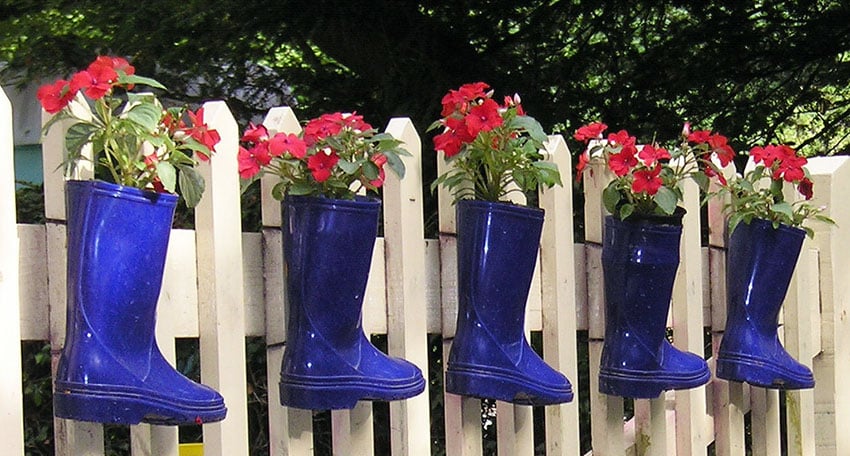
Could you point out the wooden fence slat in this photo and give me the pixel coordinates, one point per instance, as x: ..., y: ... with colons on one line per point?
x: 404, y: 251
x: 462, y: 414
x: 692, y: 430
x: 11, y: 392
x: 71, y: 437
x: 290, y: 429
x: 558, y: 284
x: 831, y: 178
x: 220, y: 297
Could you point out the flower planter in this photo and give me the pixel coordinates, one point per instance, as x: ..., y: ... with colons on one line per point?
x: 639, y: 261
x: 111, y: 369
x: 490, y: 356
x: 760, y: 260
x: 328, y: 362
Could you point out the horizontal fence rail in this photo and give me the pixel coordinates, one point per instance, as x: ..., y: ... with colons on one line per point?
x: 222, y: 285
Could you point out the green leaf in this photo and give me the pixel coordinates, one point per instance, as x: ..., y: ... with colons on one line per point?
x: 191, y: 185
x: 77, y: 136
x: 146, y: 115
x: 396, y: 163
x: 666, y: 199
x: 532, y: 126
x: 611, y: 197
x: 783, y: 208
x: 133, y: 79
x: 168, y: 175
x: 626, y: 210
x: 701, y: 180
x: 348, y: 167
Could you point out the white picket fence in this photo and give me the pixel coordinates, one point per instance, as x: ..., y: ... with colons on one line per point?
x: 222, y: 285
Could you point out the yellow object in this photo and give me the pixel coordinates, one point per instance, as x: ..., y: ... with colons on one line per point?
x: 191, y: 449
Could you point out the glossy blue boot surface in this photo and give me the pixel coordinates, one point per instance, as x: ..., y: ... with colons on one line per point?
x: 111, y: 369
x: 328, y: 362
x: 759, y: 263
x: 490, y: 356
x: 639, y: 262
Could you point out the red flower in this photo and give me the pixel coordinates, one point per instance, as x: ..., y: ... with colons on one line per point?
x: 723, y: 151
x: 710, y: 172
x: 97, y: 79
x: 583, y: 160
x: 647, y: 180
x: 761, y: 154
x: 287, y: 143
x: 322, y: 127
x: 791, y: 168
x: 54, y: 97
x: 458, y: 100
x: 255, y: 133
x: 590, y: 131
x: 622, y: 138
x: 202, y: 133
x: 805, y: 188
x: 321, y: 164
x: 483, y: 117
x: 356, y: 122
x: 248, y: 165
x: 699, y: 136
x: 379, y: 160
x: 650, y: 154
x: 449, y: 142
x: 621, y: 163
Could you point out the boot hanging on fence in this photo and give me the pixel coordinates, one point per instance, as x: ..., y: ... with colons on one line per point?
x: 490, y: 356
x: 111, y: 369
x: 328, y: 362
x: 639, y: 262
x: 759, y: 263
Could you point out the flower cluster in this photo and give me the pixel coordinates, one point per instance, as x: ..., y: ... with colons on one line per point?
x: 647, y: 178
x: 776, y: 164
x: 334, y: 153
x: 495, y: 148
x: 135, y: 141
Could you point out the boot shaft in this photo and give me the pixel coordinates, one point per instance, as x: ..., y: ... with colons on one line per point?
x: 117, y: 241
x: 496, y: 254
x: 328, y: 247
x: 760, y: 261
x: 639, y: 262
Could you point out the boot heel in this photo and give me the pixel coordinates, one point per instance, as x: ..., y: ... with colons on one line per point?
x: 99, y: 409
x: 629, y: 387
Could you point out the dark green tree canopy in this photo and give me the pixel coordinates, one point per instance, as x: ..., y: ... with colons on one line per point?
x: 755, y: 71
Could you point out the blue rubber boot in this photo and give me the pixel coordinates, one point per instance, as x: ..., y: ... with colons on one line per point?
x: 111, y: 369
x: 497, y: 246
x: 639, y: 263
x: 328, y: 362
x: 759, y: 263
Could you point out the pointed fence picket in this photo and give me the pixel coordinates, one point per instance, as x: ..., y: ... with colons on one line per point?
x: 222, y: 285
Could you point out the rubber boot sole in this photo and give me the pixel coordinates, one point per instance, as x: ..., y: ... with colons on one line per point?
x: 333, y: 393
x: 758, y: 372
x: 493, y: 383
x: 111, y: 405
x: 647, y: 385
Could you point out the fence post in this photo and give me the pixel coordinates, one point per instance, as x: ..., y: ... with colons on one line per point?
x: 221, y: 317
x: 691, y: 419
x: 606, y: 412
x: 404, y: 249
x: 72, y: 437
x: 831, y: 178
x: 557, y: 256
x: 462, y: 414
x: 729, y: 404
x: 290, y: 429
x: 12, y: 416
